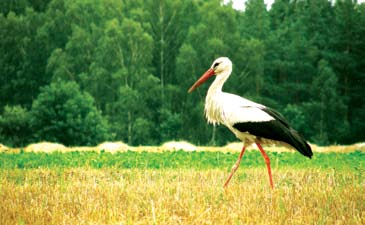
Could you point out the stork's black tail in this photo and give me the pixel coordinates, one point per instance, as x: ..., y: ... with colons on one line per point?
x: 289, y: 135
x: 277, y: 129
x: 299, y: 143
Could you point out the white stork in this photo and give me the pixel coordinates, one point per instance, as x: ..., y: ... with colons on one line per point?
x: 249, y: 121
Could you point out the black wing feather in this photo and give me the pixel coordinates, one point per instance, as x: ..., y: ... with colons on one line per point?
x: 275, y: 114
x: 278, y: 129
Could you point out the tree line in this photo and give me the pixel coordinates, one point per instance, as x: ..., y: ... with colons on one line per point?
x: 81, y: 72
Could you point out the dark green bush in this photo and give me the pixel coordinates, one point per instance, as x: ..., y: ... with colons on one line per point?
x: 62, y: 113
x: 14, y: 126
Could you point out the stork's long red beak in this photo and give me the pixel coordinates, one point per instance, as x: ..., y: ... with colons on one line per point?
x: 202, y: 79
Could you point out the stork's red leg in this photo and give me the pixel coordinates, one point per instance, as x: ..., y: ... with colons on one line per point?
x: 267, y: 161
x: 235, y: 167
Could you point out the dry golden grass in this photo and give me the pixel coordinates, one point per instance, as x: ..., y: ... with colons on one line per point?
x: 108, y: 196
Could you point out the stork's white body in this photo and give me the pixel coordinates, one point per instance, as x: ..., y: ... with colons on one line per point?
x: 228, y: 109
x: 249, y: 121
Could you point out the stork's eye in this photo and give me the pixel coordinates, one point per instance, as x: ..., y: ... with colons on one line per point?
x: 216, y: 64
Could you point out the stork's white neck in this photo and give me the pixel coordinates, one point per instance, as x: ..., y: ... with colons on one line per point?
x: 213, y: 101
x: 218, y: 83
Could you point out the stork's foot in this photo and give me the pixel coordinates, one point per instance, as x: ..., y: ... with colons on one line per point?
x: 235, y: 167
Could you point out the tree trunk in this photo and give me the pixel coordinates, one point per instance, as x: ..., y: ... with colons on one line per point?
x: 129, y: 128
x: 162, y: 43
x: 212, y: 140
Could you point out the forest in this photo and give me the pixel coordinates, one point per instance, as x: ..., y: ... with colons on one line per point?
x: 80, y: 72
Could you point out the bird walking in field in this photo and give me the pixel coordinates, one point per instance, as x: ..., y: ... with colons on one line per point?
x: 249, y: 121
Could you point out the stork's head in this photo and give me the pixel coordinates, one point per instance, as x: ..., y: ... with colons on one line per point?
x: 222, y: 66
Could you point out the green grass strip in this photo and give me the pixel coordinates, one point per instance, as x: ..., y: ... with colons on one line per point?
x: 178, y: 159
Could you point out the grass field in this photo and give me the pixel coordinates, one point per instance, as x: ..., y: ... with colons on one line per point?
x: 180, y: 188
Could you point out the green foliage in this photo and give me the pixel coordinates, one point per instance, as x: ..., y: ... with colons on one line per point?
x: 297, y: 117
x: 255, y: 21
x: 62, y: 113
x: 253, y: 71
x: 326, y: 103
x: 14, y: 126
x: 136, y: 59
x: 171, y: 122
x: 335, y: 104
x: 21, y: 63
x: 19, y: 6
